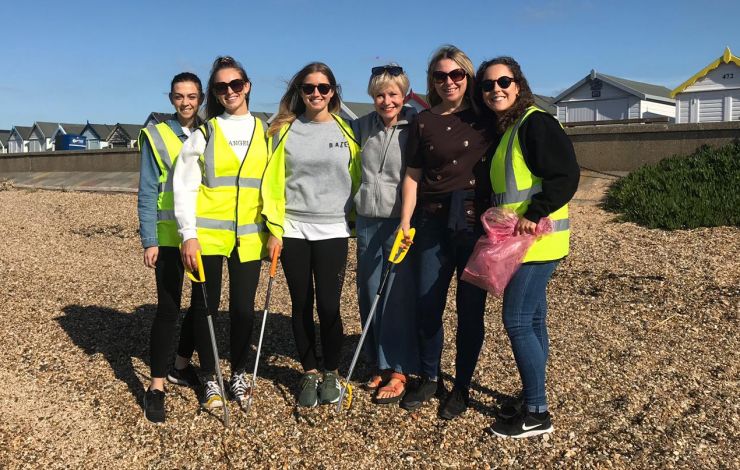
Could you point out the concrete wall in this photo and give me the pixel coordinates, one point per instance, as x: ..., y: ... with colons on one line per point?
x: 71, y: 160
x: 602, y: 148
x: 628, y: 147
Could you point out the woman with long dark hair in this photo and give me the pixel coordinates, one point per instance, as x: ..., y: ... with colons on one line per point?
x: 534, y: 173
x: 317, y: 154
x: 160, y: 145
x: 218, y: 207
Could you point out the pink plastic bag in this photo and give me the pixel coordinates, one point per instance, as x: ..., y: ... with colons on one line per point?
x: 498, y: 254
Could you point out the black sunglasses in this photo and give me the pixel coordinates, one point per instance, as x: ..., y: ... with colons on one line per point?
x: 393, y: 70
x: 456, y: 75
x: 503, y: 82
x: 308, y: 88
x: 220, y: 88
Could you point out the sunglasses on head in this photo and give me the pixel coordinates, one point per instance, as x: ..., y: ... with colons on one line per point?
x: 503, y: 83
x: 456, y: 75
x: 393, y: 70
x: 220, y: 88
x: 307, y: 88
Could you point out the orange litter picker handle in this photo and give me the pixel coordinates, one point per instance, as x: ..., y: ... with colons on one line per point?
x: 275, y: 256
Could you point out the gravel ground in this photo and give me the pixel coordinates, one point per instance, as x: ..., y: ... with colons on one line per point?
x: 643, y: 370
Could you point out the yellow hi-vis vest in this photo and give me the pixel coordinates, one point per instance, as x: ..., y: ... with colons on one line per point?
x: 228, y: 208
x: 165, y: 145
x: 513, y: 187
x: 273, y: 191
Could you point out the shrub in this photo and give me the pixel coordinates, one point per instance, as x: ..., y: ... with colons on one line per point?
x: 698, y: 190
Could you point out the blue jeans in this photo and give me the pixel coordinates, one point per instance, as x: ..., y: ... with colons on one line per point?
x: 525, y: 320
x: 440, y: 253
x: 391, y: 341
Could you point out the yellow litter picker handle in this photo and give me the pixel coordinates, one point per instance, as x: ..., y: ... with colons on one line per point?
x: 201, y: 273
x: 398, y: 252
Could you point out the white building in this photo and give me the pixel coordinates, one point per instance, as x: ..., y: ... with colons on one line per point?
x: 96, y: 135
x: 40, y: 139
x: 4, y: 136
x: 713, y: 94
x: 18, y: 140
x: 600, y: 97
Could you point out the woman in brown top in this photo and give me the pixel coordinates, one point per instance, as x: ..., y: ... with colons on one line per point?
x: 445, y: 163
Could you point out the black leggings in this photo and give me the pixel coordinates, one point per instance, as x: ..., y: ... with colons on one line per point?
x: 168, y: 273
x: 243, y: 281
x: 321, y: 264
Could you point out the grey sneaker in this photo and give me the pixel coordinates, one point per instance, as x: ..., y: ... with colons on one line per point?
x: 309, y: 385
x: 329, y: 388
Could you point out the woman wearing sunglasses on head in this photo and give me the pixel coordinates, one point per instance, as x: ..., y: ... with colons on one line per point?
x: 318, y: 155
x: 444, y: 166
x: 160, y: 146
x: 218, y: 207
x: 391, y: 344
x: 535, y: 173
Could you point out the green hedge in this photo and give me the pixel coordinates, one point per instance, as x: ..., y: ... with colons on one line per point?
x: 698, y: 190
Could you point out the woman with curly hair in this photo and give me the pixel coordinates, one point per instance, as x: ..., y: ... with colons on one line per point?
x: 533, y: 172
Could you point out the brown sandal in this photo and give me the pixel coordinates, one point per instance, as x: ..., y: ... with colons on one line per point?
x: 398, y: 390
x: 376, y: 381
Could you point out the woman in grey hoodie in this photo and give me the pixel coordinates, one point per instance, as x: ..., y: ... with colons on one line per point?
x: 391, y: 342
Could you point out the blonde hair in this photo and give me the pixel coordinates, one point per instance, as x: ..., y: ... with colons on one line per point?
x: 380, y: 82
x: 460, y: 58
x: 292, y: 105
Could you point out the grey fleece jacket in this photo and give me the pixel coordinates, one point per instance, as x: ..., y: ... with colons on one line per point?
x: 383, y: 163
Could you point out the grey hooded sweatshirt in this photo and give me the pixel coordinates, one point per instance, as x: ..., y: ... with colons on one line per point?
x: 383, y: 163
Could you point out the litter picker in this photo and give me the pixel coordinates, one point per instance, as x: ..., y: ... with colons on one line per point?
x: 398, y: 253
x: 201, y: 279
x: 273, y: 270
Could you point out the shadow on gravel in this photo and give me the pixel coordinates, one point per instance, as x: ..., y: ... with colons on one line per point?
x: 118, y: 336
x: 121, y: 336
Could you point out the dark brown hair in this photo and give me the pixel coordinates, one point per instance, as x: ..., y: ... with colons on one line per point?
x: 524, y: 99
x: 188, y: 77
x: 292, y: 105
x: 213, y: 106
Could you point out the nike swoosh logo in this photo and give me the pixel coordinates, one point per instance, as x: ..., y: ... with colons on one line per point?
x: 528, y: 428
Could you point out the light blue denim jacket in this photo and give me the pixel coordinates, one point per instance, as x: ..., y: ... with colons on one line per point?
x: 149, y: 189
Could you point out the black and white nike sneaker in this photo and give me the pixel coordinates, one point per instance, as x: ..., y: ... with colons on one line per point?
x: 522, y: 425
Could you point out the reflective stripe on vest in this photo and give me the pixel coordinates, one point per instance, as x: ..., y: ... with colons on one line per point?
x: 228, y: 209
x: 165, y: 145
x: 210, y: 179
x: 548, y: 247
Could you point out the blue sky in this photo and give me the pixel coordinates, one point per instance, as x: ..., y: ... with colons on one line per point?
x: 111, y: 61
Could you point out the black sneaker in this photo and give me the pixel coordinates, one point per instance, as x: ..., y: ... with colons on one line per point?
x: 240, y: 387
x: 524, y: 424
x: 154, y: 406
x: 455, y: 404
x: 186, y: 377
x: 420, y: 393
x: 212, y: 397
x: 511, y: 407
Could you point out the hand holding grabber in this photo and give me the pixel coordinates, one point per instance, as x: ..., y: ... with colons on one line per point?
x: 400, y: 247
x: 199, y: 277
x: 273, y: 271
